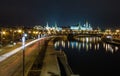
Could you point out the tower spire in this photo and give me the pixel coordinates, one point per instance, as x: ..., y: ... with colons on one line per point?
x: 47, y: 25
x: 55, y: 25
x: 79, y: 26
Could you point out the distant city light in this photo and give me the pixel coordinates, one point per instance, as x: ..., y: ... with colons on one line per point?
x: 4, y: 32
x: 20, y: 31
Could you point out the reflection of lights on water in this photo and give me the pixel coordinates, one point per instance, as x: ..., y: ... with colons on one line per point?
x: 94, y: 39
x: 63, y: 44
x: 83, y: 44
x: 55, y: 45
x: 72, y: 45
x: 97, y: 46
x: 68, y: 44
x: 112, y: 50
x: 87, y: 47
x: 79, y: 46
x: 83, y: 40
x: 87, y: 39
x: 104, y: 45
x: 76, y: 44
x: 90, y: 46
x: 58, y: 43
x: 90, y: 39
x: 99, y: 38
x: 108, y: 47
x: 116, y: 48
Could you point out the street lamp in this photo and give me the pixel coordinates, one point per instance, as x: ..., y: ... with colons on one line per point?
x: 23, y: 45
x: 117, y: 31
x: 2, y: 33
x: 13, y: 35
x: 20, y: 31
x: 1, y: 39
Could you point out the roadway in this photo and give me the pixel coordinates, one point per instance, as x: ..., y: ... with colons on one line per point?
x: 11, y: 62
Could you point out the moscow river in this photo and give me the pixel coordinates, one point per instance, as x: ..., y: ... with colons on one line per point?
x: 89, y: 56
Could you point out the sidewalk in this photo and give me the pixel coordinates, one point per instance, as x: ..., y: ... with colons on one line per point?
x: 50, y: 64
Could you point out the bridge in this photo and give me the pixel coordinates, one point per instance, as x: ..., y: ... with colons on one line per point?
x: 72, y: 36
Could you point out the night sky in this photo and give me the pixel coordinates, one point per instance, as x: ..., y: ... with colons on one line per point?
x: 63, y: 12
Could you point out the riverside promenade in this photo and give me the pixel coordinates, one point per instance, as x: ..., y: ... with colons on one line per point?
x: 50, y: 64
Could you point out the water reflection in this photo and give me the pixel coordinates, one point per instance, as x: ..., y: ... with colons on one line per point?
x: 116, y: 48
x: 89, y: 39
x: 87, y: 47
x: 110, y: 48
x: 79, y: 46
x: 68, y: 44
x: 89, y: 55
x: 90, y: 45
x: 87, y: 44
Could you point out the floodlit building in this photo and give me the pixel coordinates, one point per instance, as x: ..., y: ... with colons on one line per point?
x: 85, y: 26
x: 38, y: 27
x: 55, y: 27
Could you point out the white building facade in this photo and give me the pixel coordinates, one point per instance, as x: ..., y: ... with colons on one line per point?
x: 85, y: 26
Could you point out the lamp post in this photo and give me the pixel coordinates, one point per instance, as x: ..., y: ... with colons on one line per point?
x: 20, y: 32
x: 1, y: 38
x: 2, y: 33
x: 23, y: 45
x: 13, y: 37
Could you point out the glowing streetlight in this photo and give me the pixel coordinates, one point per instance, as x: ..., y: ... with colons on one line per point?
x: 29, y: 32
x: 23, y: 44
x: 20, y: 31
x: 33, y: 32
x: 36, y: 32
x: 117, y: 31
x: 3, y: 32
